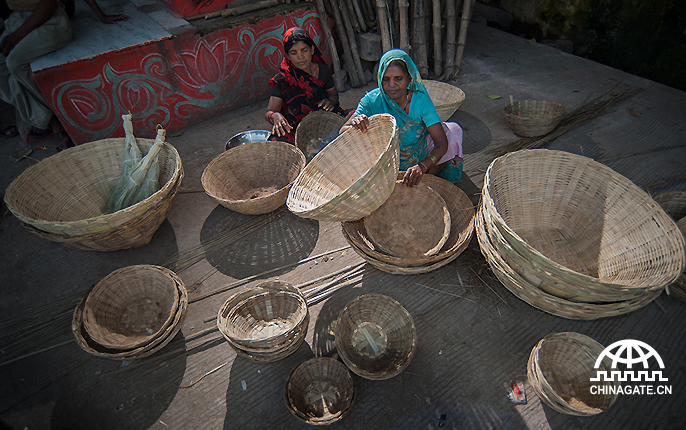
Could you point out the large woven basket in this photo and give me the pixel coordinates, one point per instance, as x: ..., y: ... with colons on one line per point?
x: 319, y: 391
x: 413, y: 222
x: 311, y: 130
x: 351, y: 177
x: 678, y: 289
x: 375, y: 336
x: 447, y: 98
x: 560, y: 369
x: 578, y: 221
x: 65, y: 193
x: 253, y: 179
x: 86, y: 343
x: 531, y: 118
x: 131, y: 306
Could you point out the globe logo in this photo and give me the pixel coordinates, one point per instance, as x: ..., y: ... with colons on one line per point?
x: 629, y: 352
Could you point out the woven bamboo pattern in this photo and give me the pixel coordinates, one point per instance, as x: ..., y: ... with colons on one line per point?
x: 375, y: 336
x: 447, y: 98
x: 253, y: 179
x: 313, y: 128
x: 266, y: 322
x: 351, y: 177
x: 65, y: 193
x: 131, y: 306
x: 84, y: 340
x: 461, y: 229
x: 412, y: 222
x: 673, y: 202
x: 678, y: 288
x: 319, y: 391
x: 560, y: 369
x: 531, y: 118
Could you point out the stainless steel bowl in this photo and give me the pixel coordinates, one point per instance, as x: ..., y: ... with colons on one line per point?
x: 249, y: 136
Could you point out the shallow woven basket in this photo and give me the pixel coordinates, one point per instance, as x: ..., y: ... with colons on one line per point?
x: 577, y: 220
x: 560, y: 369
x: 65, y: 193
x: 413, y: 222
x: 313, y: 128
x: 461, y: 229
x: 447, y: 98
x: 253, y: 179
x: 319, y: 391
x: 673, y: 202
x: 276, y: 352
x: 375, y: 336
x: 351, y: 177
x: 89, y: 345
x: 264, y: 319
x: 131, y: 306
x: 531, y: 118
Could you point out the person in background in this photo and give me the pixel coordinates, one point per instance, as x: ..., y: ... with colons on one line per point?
x: 34, y: 29
x: 303, y: 84
x: 427, y: 146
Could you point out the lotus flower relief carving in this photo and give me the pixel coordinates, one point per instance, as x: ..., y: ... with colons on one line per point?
x: 207, y: 65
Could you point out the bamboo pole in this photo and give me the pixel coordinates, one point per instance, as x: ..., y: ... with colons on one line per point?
x: 358, y: 14
x: 438, y: 45
x: 403, y: 7
x: 420, y: 30
x: 337, y: 74
x: 381, y: 12
x: 350, y: 64
x: 237, y: 10
x: 353, y: 43
x: 462, y: 38
x: 352, y: 16
x: 450, y: 34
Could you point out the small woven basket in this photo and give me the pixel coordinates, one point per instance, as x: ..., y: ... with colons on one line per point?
x: 375, y: 336
x: 84, y: 340
x: 351, y: 177
x: 319, y: 391
x: 560, y: 369
x: 413, y: 222
x: 447, y: 98
x: 531, y: 118
x: 253, y: 179
x: 311, y: 130
x: 131, y: 306
x: 66, y: 193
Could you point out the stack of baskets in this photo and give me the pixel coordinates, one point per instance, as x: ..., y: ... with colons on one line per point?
x: 265, y: 323
x: 447, y: 98
x: 560, y: 370
x: 312, y: 132
x: 132, y: 313
x: 253, y: 179
x: 454, y: 237
x: 674, y: 203
x: 532, y: 118
x: 572, y: 237
x: 62, y: 197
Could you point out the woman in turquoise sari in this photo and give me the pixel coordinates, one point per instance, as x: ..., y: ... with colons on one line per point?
x: 402, y: 94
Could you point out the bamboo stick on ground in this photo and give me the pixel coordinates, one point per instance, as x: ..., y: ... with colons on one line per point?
x: 337, y: 73
x: 353, y: 44
x: 450, y: 35
x: 462, y: 38
x: 403, y: 8
x: 349, y: 63
x: 438, y: 45
x: 382, y: 12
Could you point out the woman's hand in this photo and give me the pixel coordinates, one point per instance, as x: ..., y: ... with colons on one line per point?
x: 360, y: 122
x: 413, y: 175
x: 281, y: 126
x: 326, y: 104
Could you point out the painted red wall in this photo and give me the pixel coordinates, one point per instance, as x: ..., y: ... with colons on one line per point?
x: 187, y: 8
x: 174, y: 82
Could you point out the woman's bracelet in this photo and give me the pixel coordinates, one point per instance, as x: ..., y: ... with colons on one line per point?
x: 424, y: 165
x: 432, y: 158
x: 269, y: 117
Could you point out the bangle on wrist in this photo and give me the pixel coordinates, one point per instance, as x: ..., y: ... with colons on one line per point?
x: 433, y: 158
x: 269, y: 117
x: 420, y: 164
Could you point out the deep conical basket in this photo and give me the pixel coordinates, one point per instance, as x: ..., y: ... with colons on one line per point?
x: 65, y: 193
x: 375, y: 336
x: 311, y: 130
x: 560, y: 370
x: 319, y: 391
x: 531, y: 118
x: 447, y: 98
x: 351, y: 177
x: 131, y: 306
x: 253, y: 179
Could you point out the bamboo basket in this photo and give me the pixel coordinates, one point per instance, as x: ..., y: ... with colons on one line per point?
x: 253, y: 179
x: 461, y: 229
x: 65, y: 193
x: 276, y: 353
x: 678, y: 288
x: 560, y: 369
x: 673, y: 202
x: 90, y: 346
x: 531, y: 118
x: 351, y: 177
x: 447, y: 98
x: 313, y: 128
x: 375, y: 336
x: 412, y: 222
x: 131, y: 306
x: 579, y: 221
x: 319, y: 391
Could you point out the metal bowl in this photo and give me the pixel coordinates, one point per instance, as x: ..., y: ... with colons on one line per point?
x: 249, y: 136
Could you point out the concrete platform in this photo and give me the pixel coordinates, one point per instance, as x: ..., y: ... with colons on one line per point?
x: 473, y: 335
